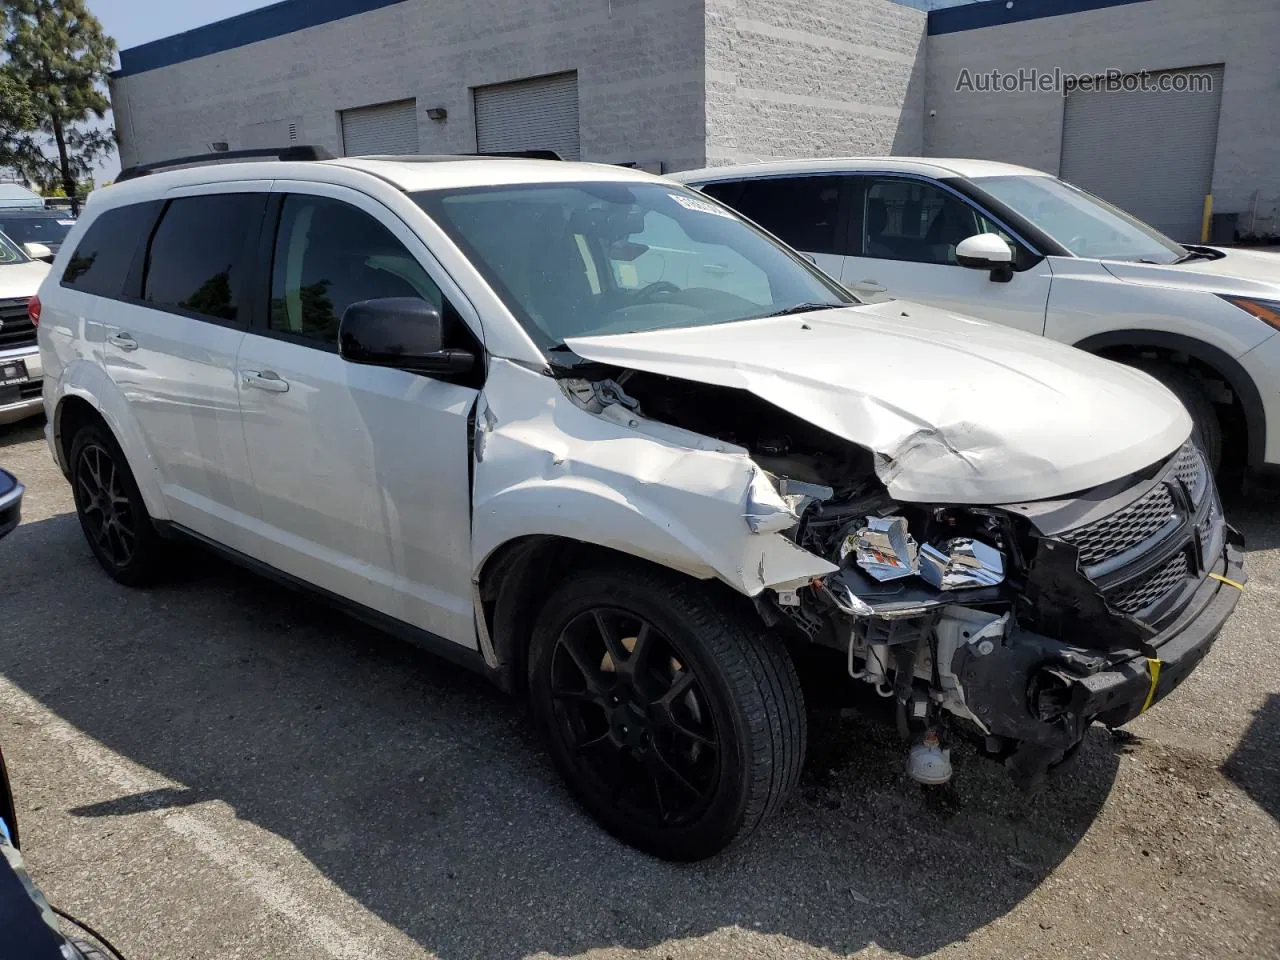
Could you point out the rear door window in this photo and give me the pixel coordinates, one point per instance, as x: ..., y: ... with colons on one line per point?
x: 802, y: 211
x: 103, y: 257
x: 200, y: 255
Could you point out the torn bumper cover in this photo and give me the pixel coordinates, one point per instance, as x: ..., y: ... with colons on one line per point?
x: 1044, y: 694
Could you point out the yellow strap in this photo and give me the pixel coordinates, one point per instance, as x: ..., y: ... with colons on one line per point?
x: 1229, y: 582
x: 1153, y: 667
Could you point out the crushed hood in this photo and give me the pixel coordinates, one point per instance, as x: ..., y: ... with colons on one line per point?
x: 957, y: 410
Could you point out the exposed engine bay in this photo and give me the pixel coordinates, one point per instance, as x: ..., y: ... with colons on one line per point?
x: 1005, y: 624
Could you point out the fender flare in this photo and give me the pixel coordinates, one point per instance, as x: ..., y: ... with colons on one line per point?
x: 1237, y: 377
x: 88, y: 382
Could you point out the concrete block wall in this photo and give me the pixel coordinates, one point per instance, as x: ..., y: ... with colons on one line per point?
x: 813, y: 78
x: 1026, y: 128
x: 639, y: 64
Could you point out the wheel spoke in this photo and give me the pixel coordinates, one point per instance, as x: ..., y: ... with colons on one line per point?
x: 612, y: 642
x: 660, y: 766
x: 680, y: 685
x: 589, y: 671
x: 577, y: 696
x: 90, y: 457
x: 594, y: 745
x: 690, y: 734
x: 641, y: 651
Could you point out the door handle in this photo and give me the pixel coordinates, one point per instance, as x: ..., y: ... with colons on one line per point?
x: 123, y: 341
x: 267, y: 380
x: 869, y: 286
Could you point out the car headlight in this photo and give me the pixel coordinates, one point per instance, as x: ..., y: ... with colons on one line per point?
x: 1268, y: 311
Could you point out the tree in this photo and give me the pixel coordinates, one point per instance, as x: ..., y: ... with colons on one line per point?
x: 59, y: 55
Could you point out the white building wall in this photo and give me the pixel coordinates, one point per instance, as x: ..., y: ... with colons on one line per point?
x: 639, y: 65
x: 1026, y: 128
x: 813, y: 78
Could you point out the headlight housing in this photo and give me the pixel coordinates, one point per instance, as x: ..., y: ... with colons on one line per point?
x: 1268, y: 311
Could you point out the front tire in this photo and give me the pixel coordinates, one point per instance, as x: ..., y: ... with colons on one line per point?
x: 1206, y: 428
x: 112, y: 514
x: 677, y: 722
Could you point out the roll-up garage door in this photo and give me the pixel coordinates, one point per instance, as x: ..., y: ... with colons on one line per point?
x: 1148, y: 152
x: 381, y: 129
x: 540, y: 114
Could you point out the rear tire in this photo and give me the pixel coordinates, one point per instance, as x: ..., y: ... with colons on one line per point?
x: 112, y: 514
x: 676, y: 721
x: 1206, y: 427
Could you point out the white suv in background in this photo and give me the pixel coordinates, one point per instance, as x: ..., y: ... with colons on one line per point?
x: 20, y: 369
x: 588, y: 432
x: 1026, y: 249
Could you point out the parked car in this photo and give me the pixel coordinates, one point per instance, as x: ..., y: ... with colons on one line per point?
x: 20, y: 368
x: 1022, y: 248
x: 585, y: 430
x: 42, y: 229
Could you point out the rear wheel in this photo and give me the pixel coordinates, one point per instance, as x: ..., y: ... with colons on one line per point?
x: 1206, y: 426
x: 112, y: 515
x: 676, y: 722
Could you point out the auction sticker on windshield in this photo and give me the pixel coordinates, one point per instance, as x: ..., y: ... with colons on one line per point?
x: 700, y: 206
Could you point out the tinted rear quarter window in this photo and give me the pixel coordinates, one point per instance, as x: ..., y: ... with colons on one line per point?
x: 200, y: 253
x: 104, y: 255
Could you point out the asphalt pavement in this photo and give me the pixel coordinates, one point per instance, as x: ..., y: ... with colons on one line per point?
x: 219, y: 768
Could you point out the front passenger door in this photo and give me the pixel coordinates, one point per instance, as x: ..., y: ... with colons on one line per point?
x: 362, y: 471
x: 907, y: 248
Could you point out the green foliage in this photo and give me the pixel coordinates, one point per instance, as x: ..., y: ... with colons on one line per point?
x: 59, y: 59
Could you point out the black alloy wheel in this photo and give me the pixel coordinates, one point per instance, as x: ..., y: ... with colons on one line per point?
x: 112, y: 514
x: 676, y: 719
x: 105, y: 510
x: 635, y: 716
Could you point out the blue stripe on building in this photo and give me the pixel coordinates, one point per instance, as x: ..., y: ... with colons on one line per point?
x: 992, y: 13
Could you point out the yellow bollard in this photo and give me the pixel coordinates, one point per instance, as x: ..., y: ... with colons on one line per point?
x: 1204, y: 220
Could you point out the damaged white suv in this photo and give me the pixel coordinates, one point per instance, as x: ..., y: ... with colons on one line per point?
x: 586, y: 430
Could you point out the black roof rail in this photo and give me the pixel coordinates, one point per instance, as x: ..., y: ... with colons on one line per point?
x: 297, y: 152
x: 519, y: 154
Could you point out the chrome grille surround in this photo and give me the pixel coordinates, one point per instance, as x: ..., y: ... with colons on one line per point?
x: 16, y: 328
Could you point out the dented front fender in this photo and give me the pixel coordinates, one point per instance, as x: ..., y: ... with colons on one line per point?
x: 546, y: 466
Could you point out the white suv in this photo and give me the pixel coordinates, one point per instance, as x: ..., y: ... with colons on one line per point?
x: 20, y: 372
x: 1045, y: 257
x: 589, y: 432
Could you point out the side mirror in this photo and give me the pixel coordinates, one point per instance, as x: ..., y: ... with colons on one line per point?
x: 38, y: 251
x: 987, y: 251
x: 402, y: 332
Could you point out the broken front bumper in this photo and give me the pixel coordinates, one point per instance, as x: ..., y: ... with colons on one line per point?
x: 1037, y: 697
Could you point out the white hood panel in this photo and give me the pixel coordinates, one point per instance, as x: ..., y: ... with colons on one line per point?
x: 21, y: 279
x: 1249, y: 273
x: 958, y: 410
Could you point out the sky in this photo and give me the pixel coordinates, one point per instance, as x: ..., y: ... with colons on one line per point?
x: 132, y: 22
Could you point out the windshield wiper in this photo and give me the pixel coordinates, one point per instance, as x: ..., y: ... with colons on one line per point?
x: 805, y: 308
x: 1193, y: 255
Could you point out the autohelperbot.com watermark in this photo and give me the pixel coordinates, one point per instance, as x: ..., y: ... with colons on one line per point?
x: 1057, y: 80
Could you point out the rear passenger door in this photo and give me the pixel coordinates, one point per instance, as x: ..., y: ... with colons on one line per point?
x: 363, y: 471
x: 171, y: 346
x: 809, y: 213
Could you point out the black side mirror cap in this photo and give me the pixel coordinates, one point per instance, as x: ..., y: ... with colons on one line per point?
x: 402, y: 332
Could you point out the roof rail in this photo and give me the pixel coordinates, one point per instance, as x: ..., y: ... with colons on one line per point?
x: 307, y: 152
x: 520, y: 154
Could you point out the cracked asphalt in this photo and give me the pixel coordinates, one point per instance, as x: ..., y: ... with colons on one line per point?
x: 218, y: 768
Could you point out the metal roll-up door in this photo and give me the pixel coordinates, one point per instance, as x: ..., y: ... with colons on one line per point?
x: 1148, y: 152
x: 381, y: 129
x: 540, y: 114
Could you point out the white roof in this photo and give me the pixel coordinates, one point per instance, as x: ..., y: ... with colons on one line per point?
x: 407, y: 173
x: 925, y: 166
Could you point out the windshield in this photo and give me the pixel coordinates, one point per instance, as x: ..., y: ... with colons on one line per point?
x: 1085, y: 225
x: 47, y: 230
x: 10, y: 252
x: 577, y: 259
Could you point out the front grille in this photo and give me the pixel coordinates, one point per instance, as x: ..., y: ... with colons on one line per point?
x: 1191, y: 469
x: 1135, y: 597
x: 1113, y: 535
x: 16, y: 328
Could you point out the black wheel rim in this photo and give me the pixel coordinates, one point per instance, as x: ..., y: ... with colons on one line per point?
x: 635, y: 717
x: 105, y: 509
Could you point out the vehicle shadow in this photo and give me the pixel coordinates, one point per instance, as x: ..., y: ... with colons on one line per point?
x: 1254, y: 766
x: 420, y: 792
x: 24, y: 431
